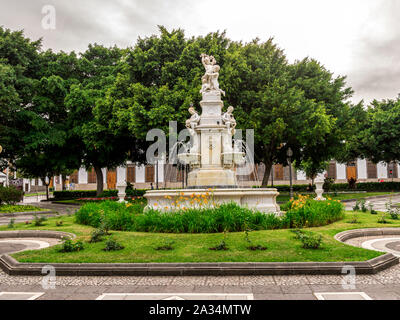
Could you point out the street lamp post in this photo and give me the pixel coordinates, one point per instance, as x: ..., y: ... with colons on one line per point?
x: 290, y: 155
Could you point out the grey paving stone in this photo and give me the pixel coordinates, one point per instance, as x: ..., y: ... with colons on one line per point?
x: 237, y: 289
x: 269, y: 289
x: 296, y: 289
x: 383, y: 295
x: 269, y: 296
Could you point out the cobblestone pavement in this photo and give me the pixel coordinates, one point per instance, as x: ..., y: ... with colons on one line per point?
x: 382, y: 286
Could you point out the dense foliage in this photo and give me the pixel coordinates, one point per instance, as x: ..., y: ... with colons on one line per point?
x: 63, y: 110
x: 226, y: 217
x: 10, y: 195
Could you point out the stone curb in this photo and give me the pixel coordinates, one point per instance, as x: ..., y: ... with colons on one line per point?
x: 12, y: 214
x: 358, y: 233
x: 13, y: 267
x: 35, y: 234
x: 372, y: 197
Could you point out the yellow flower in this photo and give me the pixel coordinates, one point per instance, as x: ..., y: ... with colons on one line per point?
x: 155, y: 204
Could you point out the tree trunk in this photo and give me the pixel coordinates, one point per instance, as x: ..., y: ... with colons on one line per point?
x: 267, y: 173
x: 99, y: 180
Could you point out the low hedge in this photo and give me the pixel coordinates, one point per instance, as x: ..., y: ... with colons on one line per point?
x: 362, y: 186
x: 10, y: 195
x: 227, y: 217
x: 77, y: 194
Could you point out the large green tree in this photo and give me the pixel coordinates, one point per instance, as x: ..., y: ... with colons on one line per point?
x: 378, y: 139
x: 19, y: 70
x: 100, y: 147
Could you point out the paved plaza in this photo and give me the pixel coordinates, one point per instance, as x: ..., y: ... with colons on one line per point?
x: 382, y: 286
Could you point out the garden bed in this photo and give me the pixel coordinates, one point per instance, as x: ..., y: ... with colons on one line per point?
x: 140, y: 247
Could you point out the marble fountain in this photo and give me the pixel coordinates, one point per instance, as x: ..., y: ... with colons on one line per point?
x: 213, y: 156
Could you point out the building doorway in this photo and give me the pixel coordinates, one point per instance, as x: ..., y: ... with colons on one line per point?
x: 111, y: 179
x: 351, y: 171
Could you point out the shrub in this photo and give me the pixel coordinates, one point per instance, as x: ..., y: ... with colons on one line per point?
x: 59, y: 223
x: 38, y: 221
x: 97, y: 235
x: 11, y: 223
x: 220, y: 247
x: 382, y: 219
x: 112, y: 245
x: 226, y: 217
x: 108, y: 214
x: 306, y: 212
x: 167, y: 245
x: 311, y: 241
x: 69, y: 246
x: 10, y: 195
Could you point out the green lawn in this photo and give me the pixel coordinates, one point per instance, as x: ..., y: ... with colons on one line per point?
x: 284, y: 197
x: 18, y: 208
x: 139, y: 247
x: 35, y: 194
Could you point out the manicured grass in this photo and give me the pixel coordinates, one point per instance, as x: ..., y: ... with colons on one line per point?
x: 140, y: 247
x: 35, y: 194
x: 18, y: 208
x: 284, y: 197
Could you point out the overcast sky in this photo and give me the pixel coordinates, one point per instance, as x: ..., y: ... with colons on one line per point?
x: 357, y: 38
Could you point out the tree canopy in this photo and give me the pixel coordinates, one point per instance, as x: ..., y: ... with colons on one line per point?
x: 60, y: 111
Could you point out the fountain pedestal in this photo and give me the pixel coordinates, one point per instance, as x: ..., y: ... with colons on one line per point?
x: 263, y: 200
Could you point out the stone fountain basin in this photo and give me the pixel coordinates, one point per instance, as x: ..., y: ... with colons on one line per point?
x: 263, y: 200
x: 189, y: 158
x: 234, y: 157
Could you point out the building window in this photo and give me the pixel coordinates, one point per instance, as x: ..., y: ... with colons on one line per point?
x: 372, y: 172
x: 73, y: 178
x: 278, y: 172
x: 131, y: 174
x: 92, y: 176
x: 149, y: 174
x: 392, y: 170
x: 332, y: 170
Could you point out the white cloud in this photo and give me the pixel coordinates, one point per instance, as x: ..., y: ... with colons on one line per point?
x: 357, y: 38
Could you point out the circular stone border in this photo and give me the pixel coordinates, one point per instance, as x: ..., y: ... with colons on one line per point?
x: 36, y: 234
x: 359, y: 233
x: 13, y: 267
x: 42, y: 244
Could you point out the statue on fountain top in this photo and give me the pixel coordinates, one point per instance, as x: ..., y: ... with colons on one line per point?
x: 210, y: 78
x: 229, y: 120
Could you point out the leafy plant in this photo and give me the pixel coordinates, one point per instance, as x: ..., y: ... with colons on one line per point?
x: 11, y: 223
x: 69, y: 246
x: 10, y: 195
x: 308, y: 239
x: 38, y: 221
x: 112, y: 245
x: 220, y: 247
x: 382, y: 219
x: 166, y: 245
x: 354, y: 219
x: 311, y: 241
x: 97, y: 235
x: 59, y: 223
x: 393, y: 212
